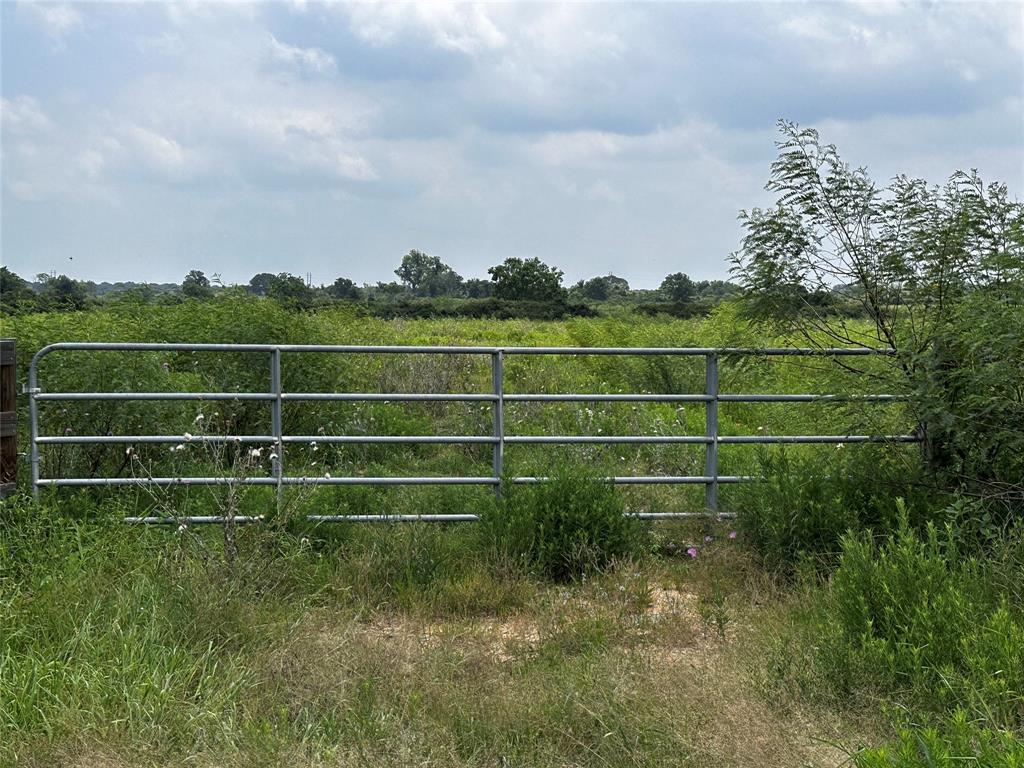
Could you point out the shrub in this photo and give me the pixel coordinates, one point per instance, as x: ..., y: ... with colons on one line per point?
x: 958, y: 742
x: 805, y: 504
x: 921, y: 618
x: 492, y: 308
x: 563, y: 528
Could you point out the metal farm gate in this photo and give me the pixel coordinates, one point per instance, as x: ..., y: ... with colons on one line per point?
x: 275, y: 396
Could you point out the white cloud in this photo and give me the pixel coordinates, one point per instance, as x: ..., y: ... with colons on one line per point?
x: 576, y: 146
x: 166, y: 43
x: 594, y: 136
x: 159, y: 153
x: 58, y: 20
x: 23, y: 115
x: 311, y: 61
x: 458, y: 27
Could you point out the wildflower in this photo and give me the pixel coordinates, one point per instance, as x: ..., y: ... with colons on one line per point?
x: 327, y: 475
x: 708, y: 539
x: 839, y: 447
x: 129, y: 451
x: 692, y: 551
x: 182, y: 528
x: 188, y: 436
x: 255, y: 453
x: 304, y: 541
x: 199, y: 419
x: 166, y: 367
x: 760, y: 429
x: 179, y: 447
x: 732, y: 534
x: 314, y: 446
x: 67, y: 430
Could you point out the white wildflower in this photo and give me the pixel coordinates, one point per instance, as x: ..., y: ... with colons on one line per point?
x: 327, y: 475
x: 199, y: 419
x: 129, y: 451
x: 182, y: 528
x: 188, y: 436
x: 256, y: 453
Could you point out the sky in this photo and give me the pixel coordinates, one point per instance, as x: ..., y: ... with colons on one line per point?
x: 141, y: 140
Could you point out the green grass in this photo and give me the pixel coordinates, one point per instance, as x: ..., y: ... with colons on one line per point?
x: 253, y: 320
x: 552, y: 634
x: 394, y: 645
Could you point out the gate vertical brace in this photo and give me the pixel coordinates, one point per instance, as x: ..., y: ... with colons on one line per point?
x: 711, y: 433
x: 277, y: 466
x: 33, y: 418
x: 498, y: 412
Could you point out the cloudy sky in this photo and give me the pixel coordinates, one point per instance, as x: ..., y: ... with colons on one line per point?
x: 142, y: 140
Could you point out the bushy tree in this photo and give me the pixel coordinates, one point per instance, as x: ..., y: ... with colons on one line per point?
x: 428, y: 275
x: 602, y: 288
x: 343, y: 288
x: 16, y: 295
x: 475, y: 288
x: 260, y: 284
x: 527, y: 279
x: 930, y: 267
x: 678, y: 287
x: 196, y: 285
x: 290, y: 290
x: 61, y: 293
x: 716, y: 290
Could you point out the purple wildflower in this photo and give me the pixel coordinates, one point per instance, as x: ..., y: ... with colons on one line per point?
x: 692, y: 551
x: 732, y: 534
x: 708, y: 539
x: 67, y: 430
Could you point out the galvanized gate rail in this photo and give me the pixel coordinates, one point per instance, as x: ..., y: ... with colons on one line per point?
x: 276, y: 396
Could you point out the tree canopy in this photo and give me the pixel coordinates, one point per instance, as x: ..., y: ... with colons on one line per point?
x: 527, y: 279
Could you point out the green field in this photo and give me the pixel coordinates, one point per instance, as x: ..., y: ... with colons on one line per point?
x: 420, y: 645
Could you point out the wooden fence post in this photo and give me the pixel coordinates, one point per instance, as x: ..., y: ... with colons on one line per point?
x: 8, y: 420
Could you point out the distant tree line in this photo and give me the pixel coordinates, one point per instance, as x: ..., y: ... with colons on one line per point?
x: 426, y: 286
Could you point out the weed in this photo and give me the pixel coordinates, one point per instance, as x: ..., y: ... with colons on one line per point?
x: 564, y: 528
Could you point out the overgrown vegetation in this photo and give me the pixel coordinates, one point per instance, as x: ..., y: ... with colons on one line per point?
x: 565, y: 528
x: 922, y: 620
x: 869, y: 597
